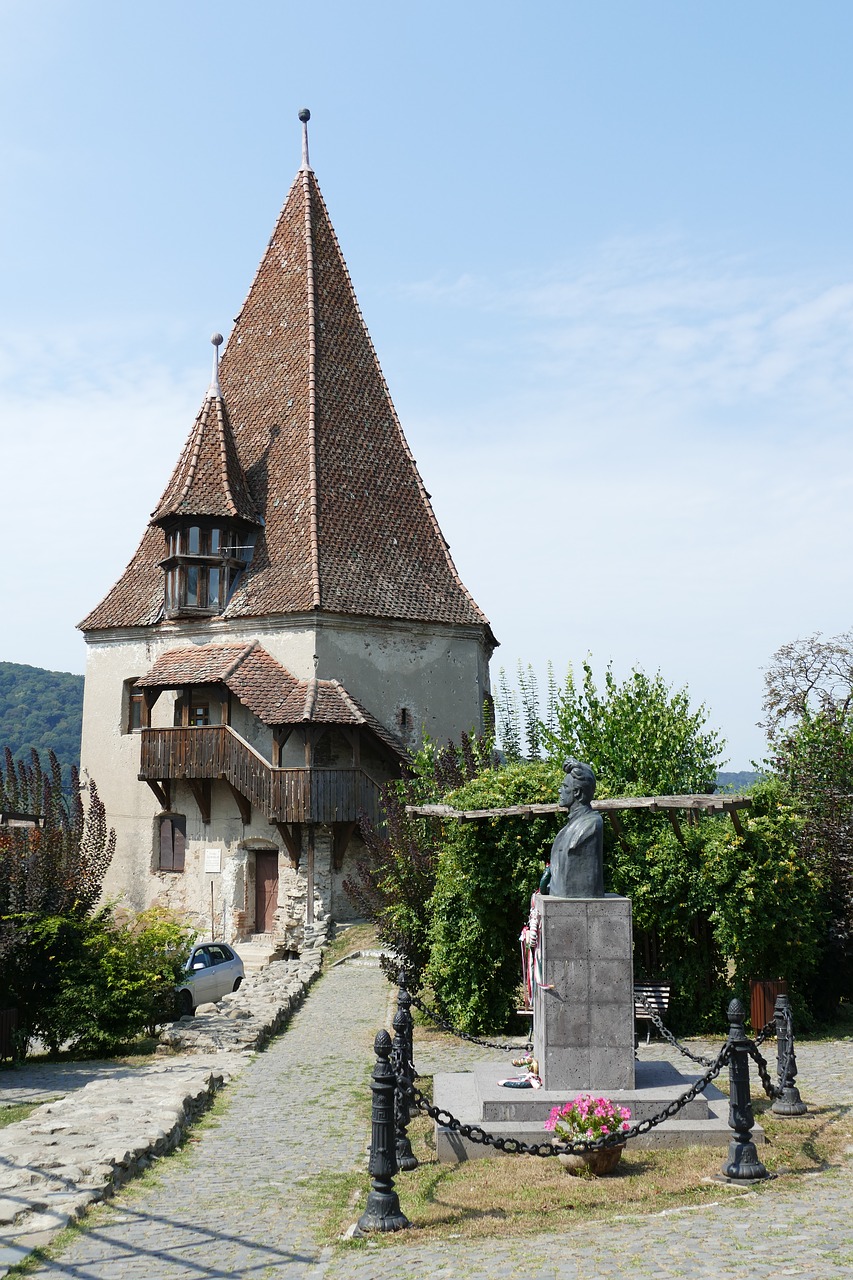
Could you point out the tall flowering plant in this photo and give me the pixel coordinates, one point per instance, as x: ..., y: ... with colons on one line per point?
x: 587, y: 1118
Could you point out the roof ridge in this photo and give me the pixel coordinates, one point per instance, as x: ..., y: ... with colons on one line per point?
x: 306, y: 175
x: 223, y: 451
x: 425, y: 498
x: 310, y: 697
x: 349, y: 699
x: 240, y: 659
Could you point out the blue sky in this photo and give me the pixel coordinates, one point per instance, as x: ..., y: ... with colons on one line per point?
x: 604, y: 252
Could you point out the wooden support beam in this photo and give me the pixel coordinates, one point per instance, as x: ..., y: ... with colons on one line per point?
x: 352, y: 733
x: 617, y: 830
x: 162, y: 791
x: 341, y: 836
x: 242, y: 804
x: 292, y: 837
x: 149, y: 697
x: 736, y: 822
x: 200, y: 787
x: 676, y: 826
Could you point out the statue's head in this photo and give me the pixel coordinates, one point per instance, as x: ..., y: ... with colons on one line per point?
x: 578, y: 782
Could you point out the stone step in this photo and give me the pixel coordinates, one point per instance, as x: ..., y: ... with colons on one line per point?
x: 656, y: 1085
x: 256, y: 955
x: 460, y: 1094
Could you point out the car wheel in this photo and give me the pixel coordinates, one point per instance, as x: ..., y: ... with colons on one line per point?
x: 237, y: 983
x: 186, y: 1004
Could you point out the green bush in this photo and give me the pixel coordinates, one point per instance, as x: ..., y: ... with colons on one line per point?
x: 94, y: 982
x: 129, y: 984
x: 486, y: 873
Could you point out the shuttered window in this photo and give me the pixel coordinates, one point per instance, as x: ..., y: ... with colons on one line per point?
x: 173, y: 843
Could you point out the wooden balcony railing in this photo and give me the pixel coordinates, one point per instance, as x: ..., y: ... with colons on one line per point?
x: 283, y: 795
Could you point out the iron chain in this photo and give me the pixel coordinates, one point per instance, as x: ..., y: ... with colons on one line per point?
x: 387, y: 964
x: 773, y: 1090
x: 667, y: 1035
x: 444, y: 1025
x: 514, y: 1146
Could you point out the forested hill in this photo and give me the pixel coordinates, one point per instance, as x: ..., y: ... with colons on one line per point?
x: 41, y: 709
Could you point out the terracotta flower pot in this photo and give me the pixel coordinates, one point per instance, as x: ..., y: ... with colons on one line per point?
x: 603, y: 1160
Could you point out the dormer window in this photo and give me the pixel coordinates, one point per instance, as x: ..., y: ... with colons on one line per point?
x: 201, y: 567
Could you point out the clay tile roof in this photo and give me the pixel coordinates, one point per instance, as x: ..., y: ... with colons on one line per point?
x: 263, y: 685
x: 196, y: 664
x: 208, y: 480
x: 266, y: 687
x: 348, y: 524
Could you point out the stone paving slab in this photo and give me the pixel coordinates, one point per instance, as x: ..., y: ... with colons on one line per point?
x: 69, y: 1153
x: 234, y: 1204
x: 115, y: 1119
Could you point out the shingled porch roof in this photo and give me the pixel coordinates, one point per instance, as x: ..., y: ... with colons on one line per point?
x: 267, y: 688
x: 348, y: 524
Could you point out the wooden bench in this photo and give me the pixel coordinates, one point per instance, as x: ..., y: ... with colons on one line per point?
x: 656, y: 994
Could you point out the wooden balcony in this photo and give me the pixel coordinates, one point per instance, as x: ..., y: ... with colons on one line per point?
x: 216, y: 752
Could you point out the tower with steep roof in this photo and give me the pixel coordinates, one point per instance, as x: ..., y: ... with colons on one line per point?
x: 291, y: 623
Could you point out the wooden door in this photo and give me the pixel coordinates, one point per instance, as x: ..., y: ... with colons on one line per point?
x: 266, y: 891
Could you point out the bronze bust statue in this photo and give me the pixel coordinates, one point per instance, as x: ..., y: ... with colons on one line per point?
x: 577, y: 854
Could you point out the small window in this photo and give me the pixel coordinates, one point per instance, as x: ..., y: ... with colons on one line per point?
x: 135, y: 709
x: 199, y: 714
x: 193, y: 540
x: 404, y: 717
x: 214, y: 542
x: 132, y: 706
x: 173, y: 842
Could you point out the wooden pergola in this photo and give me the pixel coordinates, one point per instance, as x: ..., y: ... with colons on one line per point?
x: 693, y: 805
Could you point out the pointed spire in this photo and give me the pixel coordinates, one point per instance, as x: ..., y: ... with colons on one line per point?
x: 215, y: 391
x: 305, y: 116
x: 347, y: 523
x: 209, y: 480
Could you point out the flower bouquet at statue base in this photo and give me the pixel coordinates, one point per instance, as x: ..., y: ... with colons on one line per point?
x: 586, y: 1119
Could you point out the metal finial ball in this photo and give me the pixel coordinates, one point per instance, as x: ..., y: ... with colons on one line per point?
x: 217, y: 339
x: 304, y: 115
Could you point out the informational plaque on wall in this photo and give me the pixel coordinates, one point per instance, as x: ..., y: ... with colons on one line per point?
x: 213, y: 860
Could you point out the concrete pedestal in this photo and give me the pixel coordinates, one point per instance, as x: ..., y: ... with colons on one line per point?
x: 476, y: 1097
x: 583, y: 1020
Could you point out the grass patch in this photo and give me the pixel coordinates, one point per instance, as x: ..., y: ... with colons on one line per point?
x: 839, y: 1028
x: 509, y: 1196
x: 358, y: 937
x: 19, y: 1111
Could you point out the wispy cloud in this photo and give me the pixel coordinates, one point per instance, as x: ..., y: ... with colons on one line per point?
x: 663, y: 335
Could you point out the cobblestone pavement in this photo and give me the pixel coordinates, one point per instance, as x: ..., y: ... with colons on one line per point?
x: 232, y: 1206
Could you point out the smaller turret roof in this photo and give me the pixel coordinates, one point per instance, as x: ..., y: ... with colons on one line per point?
x: 209, y: 480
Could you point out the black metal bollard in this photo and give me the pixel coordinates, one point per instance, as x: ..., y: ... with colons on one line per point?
x: 743, y: 1162
x: 383, y: 1212
x: 790, y: 1103
x: 404, y: 1002
x: 403, y: 1067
